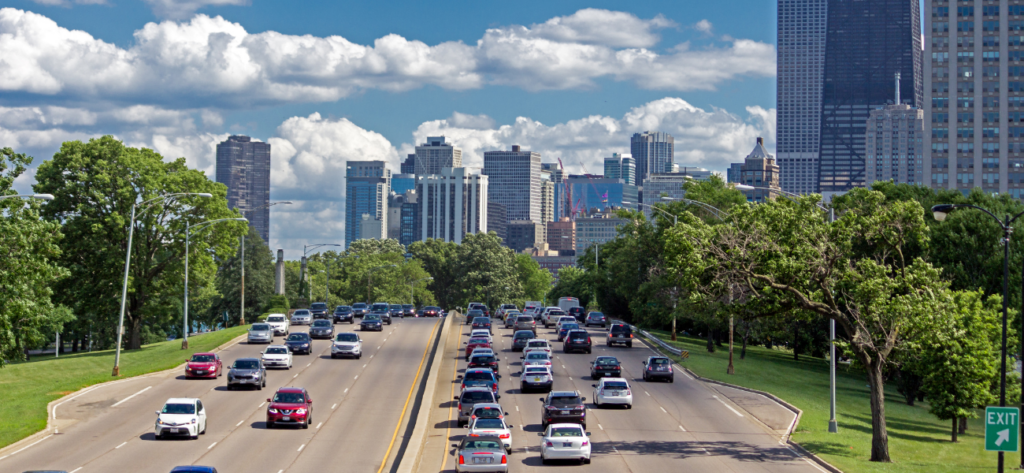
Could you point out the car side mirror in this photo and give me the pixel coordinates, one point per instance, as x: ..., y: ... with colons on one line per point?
x: 455, y: 445
x: 497, y: 359
x: 644, y: 362
x: 268, y: 399
x: 588, y: 434
x: 456, y: 398
x: 310, y: 401
x: 541, y: 399
x: 593, y: 385
x: 506, y: 413
x: 157, y: 412
x: 583, y: 399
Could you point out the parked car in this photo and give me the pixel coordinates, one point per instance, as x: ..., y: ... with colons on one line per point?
x: 302, y: 317
x: 260, y: 333
x: 471, y: 397
x: 322, y: 328
x: 487, y: 427
x: 526, y: 322
x: 247, y: 372
x: 577, y: 340
x: 481, y: 454
x: 318, y: 310
x: 564, y: 328
x: 613, y: 391
x: 343, y: 313
x: 299, y: 342
x: 565, y: 442
x: 563, y: 407
x: 605, y: 366
x: 596, y: 318
x: 277, y: 356
x: 397, y: 311
x: 347, y: 344
x: 520, y: 338
x: 290, y: 406
x: 279, y: 322
x: 371, y: 322
x: 579, y: 313
x: 204, y: 365
x: 408, y: 310
x: 658, y: 367
x: 181, y: 417
x: 359, y: 309
x: 536, y: 378
x: 620, y: 334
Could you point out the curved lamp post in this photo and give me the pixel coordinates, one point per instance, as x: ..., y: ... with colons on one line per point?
x: 302, y: 277
x: 369, y: 274
x: 28, y: 196
x: 241, y: 314
x: 127, y: 260
x: 188, y: 233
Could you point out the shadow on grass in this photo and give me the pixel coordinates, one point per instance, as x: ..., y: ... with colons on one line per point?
x: 740, y: 451
x: 893, y: 431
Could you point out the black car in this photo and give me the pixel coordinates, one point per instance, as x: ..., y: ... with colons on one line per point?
x: 371, y: 322
x: 578, y: 312
x: 605, y: 367
x: 396, y: 310
x: 480, y: 323
x: 595, y: 318
x: 385, y: 315
x: 408, y: 310
x: 484, y: 361
x: 431, y: 311
x: 343, y: 313
x: 319, y: 310
x: 247, y: 372
x: 473, y: 314
x: 322, y: 329
x: 299, y: 342
x: 563, y: 407
x: 520, y: 338
x: 620, y: 334
x: 360, y: 309
x: 577, y: 340
x: 658, y: 367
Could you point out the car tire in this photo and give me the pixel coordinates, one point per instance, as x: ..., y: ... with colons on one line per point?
x: 629, y: 345
x: 270, y: 425
x: 543, y: 461
x: 305, y: 425
x: 159, y: 436
x: 230, y: 387
x: 195, y: 437
x: 586, y: 461
x: 672, y: 379
x: 204, y: 430
x: 629, y: 406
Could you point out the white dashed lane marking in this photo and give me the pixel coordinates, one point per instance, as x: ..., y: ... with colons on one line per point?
x: 119, y: 446
x: 211, y: 445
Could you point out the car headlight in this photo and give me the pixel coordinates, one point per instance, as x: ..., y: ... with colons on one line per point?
x: 272, y: 410
x: 193, y: 420
x: 161, y: 422
x: 300, y: 411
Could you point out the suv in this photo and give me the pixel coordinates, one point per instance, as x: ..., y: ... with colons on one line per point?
x: 397, y: 311
x: 483, y: 360
x: 510, y: 319
x: 471, y: 397
x: 302, y: 317
x: 472, y: 314
x: 520, y: 338
x: 280, y: 324
x: 658, y: 367
x: 577, y: 340
x: 408, y: 310
x: 290, y: 406
x: 526, y: 322
x: 347, y: 344
x: 343, y: 313
x: 247, y: 371
x: 359, y: 309
x: 482, y: 323
x: 431, y: 311
x: 505, y: 308
x: 299, y: 342
x: 480, y: 377
x: 579, y: 313
x: 481, y: 307
x: 319, y: 310
x: 550, y: 316
x: 595, y: 318
x: 561, y: 407
x: 605, y: 366
x: 620, y: 334
x: 322, y: 328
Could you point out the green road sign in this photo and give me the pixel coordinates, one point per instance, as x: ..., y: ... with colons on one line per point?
x: 1001, y: 427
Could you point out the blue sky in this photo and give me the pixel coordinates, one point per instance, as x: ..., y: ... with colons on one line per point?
x: 330, y: 81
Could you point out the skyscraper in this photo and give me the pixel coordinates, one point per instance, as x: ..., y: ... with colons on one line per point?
x: 759, y: 170
x: 894, y: 145
x: 409, y: 165
x: 367, y: 186
x: 451, y: 204
x: 800, y: 65
x: 513, y: 179
x: 243, y: 166
x: 866, y: 43
x: 435, y: 155
x: 654, y: 152
x: 620, y: 167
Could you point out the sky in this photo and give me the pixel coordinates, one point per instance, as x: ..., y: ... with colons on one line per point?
x: 328, y: 82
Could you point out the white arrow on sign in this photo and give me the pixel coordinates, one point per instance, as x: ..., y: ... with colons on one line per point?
x: 1002, y: 436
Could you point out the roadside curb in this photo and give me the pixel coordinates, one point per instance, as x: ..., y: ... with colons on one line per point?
x: 411, y: 456
x: 787, y: 438
x: 51, y: 427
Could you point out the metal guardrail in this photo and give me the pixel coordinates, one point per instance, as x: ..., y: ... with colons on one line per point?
x: 669, y: 348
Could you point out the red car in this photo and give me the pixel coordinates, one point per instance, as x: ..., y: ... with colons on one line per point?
x: 204, y: 365
x: 475, y: 343
x: 290, y: 406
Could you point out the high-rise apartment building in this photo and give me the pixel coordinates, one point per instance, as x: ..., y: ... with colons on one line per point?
x: 561, y: 235
x: 436, y: 154
x: 620, y: 167
x: 894, y: 145
x: 514, y: 181
x: 670, y: 185
x: 409, y: 165
x: 367, y: 187
x: 973, y: 80
x: 654, y: 152
x: 497, y: 218
x: 760, y: 170
x: 451, y: 204
x: 597, y: 228
x: 552, y: 178
x: 523, y: 234
x: 800, y: 66
x: 243, y: 166
x: 866, y: 43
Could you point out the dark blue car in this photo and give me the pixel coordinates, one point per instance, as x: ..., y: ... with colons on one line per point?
x: 194, y: 469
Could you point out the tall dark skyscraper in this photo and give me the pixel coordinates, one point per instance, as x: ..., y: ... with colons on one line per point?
x: 244, y: 166
x: 654, y: 153
x: 866, y: 43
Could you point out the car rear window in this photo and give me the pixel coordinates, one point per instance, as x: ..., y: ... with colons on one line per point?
x: 477, y: 396
x: 477, y: 375
x: 524, y: 319
x: 562, y: 402
x: 480, y: 320
x: 536, y: 356
x: 566, y: 432
x: 607, y: 362
x: 489, y: 424
x: 487, y: 412
x: 577, y: 335
x: 482, y: 445
x: 477, y: 340
x: 615, y: 385
x: 621, y: 329
x: 526, y: 335
x: 659, y: 361
x: 483, y: 359
x: 536, y: 371
x: 538, y: 343
x: 570, y: 326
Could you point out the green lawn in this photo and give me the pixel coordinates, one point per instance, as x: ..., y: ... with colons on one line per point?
x: 28, y: 387
x: 917, y: 440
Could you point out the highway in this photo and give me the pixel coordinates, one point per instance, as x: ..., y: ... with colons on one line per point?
x: 357, y: 405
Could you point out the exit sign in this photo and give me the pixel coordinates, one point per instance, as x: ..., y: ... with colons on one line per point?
x: 1002, y: 424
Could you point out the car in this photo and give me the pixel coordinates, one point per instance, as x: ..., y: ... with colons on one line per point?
x: 538, y: 344
x: 658, y: 367
x: 318, y: 310
x: 472, y: 314
x: 380, y: 307
x: 605, y: 366
x: 565, y: 319
x: 204, y: 365
x: 482, y: 333
x: 299, y: 342
x: 397, y: 311
x: 277, y: 356
x: 565, y: 442
x: 322, y: 328
x: 194, y: 469
x: 536, y: 378
x: 360, y: 309
x: 563, y: 407
x: 526, y: 322
x: 470, y: 397
x: 185, y: 416
x: 613, y: 391
x: 481, y: 360
x: 260, y: 333
x: 566, y: 303
x: 530, y: 306
x: 564, y: 328
x: 431, y: 311
x: 620, y: 334
x: 486, y: 410
x: 343, y: 313
x: 279, y: 322
x: 510, y: 320
x: 481, y: 307
x: 476, y: 343
x: 302, y: 317
x: 247, y: 372
x: 504, y: 309
x: 371, y: 322
x: 482, y: 323
x: 577, y: 340
x: 347, y: 344
x: 520, y: 338
x: 578, y: 313
x: 487, y: 427
x: 481, y: 454
x: 482, y: 351
x: 408, y: 310
x: 614, y: 322
x: 383, y: 311
x: 595, y: 318
x: 551, y: 315
x: 290, y: 406
x: 536, y: 358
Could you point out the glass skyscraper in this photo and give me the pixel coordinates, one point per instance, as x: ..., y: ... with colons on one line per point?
x: 243, y: 166
x: 654, y: 152
x: 367, y: 186
x: 514, y: 181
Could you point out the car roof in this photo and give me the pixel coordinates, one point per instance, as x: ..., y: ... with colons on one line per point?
x: 182, y: 400
x: 564, y: 393
x: 615, y: 379
x: 276, y: 346
x: 290, y: 390
x: 204, y: 353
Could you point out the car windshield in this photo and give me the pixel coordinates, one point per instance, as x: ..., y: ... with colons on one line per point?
x: 566, y: 432
x: 179, y: 409
x: 567, y: 319
x: 318, y: 306
x: 596, y: 315
x: 482, y: 359
x: 556, y: 313
x: 607, y: 362
x: 567, y: 401
x: 475, y: 313
x: 482, y: 445
x: 536, y: 356
x: 203, y: 358
x: 297, y: 337
x: 342, y: 308
x: 568, y: 327
x: 301, y: 312
x: 276, y: 351
x: 488, y: 413
x: 522, y: 335
x: 371, y: 318
x: 291, y: 398
x: 260, y: 327
x: 358, y: 305
x: 347, y: 337
x: 477, y: 396
x: 577, y: 335
x: 489, y: 424
x: 247, y: 364
x: 480, y: 320
x: 381, y: 306
x: 620, y: 329
x: 275, y: 318
x: 615, y: 385
x: 478, y: 375
x: 322, y: 323
x: 659, y: 361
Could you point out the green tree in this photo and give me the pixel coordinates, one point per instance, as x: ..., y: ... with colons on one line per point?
x: 439, y: 259
x: 572, y: 282
x: 534, y: 280
x: 259, y: 281
x: 486, y: 271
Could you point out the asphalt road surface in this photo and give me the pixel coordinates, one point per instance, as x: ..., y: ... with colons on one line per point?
x: 357, y: 406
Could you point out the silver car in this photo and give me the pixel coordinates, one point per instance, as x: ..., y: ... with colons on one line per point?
x: 261, y: 333
x: 471, y: 397
x: 302, y: 317
x: 247, y: 372
x: 481, y: 454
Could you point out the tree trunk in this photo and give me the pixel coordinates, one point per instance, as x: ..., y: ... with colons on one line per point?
x: 956, y: 426
x: 963, y: 425
x: 796, y: 341
x: 135, y: 335
x: 711, y: 340
x: 743, y: 349
x: 673, y: 327
x: 74, y: 345
x: 879, y: 434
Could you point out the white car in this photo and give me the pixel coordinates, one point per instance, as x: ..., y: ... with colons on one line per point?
x: 547, y: 312
x: 302, y: 317
x: 277, y: 356
x: 496, y: 427
x: 536, y: 358
x: 482, y: 351
x: 565, y: 442
x: 279, y: 322
x: 613, y: 391
x: 482, y: 333
x: 538, y: 344
x: 565, y: 319
x: 181, y: 416
x: 347, y: 344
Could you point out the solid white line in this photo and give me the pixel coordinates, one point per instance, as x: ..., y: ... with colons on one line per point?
x: 320, y: 424
x: 239, y: 423
x: 301, y: 447
x: 76, y: 469
x: 332, y: 407
x: 681, y: 428
x: 726, y: 405
x: 663, y: 410
x: 119, y: 446
x: 129, y: 397
x: 211, y: 445
x: 27, y: 446
x: 599, y: 426
x: 685, y: 374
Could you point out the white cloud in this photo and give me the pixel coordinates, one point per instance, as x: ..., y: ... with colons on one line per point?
x: 177, y: 9
x: 604, y: 27
x: 68, y: 3
x: 703, y: 26
x: 478, y: 122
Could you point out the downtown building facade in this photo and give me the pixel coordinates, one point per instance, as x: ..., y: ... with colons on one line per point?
x: 895, y: 145
x: 434, y: 155
x: 620, y: 166
x: 590, y: 192
x: 760, y: 170
x: 243, y: 166
x: 367, y: 188
x: 514, y: 180
x: 653, y: 152
x: 451, y: 204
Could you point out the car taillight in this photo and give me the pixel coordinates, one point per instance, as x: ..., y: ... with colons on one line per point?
x: 460, y: 405
x: 549, y: 444
x: 504, y: 459
x: 495, y: 386
x: 629, y: 393
x: 463, y: 386
x: 588, y: 339
x: 462, y: 460
x: 504, y: 436
x: 585, y: 443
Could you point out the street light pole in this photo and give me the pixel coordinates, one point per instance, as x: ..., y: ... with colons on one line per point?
x: 188, y: 229
x: 302, y: 274
x: 28, y: 196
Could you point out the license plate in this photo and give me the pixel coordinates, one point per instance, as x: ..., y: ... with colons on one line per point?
x: 200, y: 372
x: 479, y: 460
x: 567, y: 444
x: 174, y: 431
x: 286, y: 418
x: 536, y: 380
